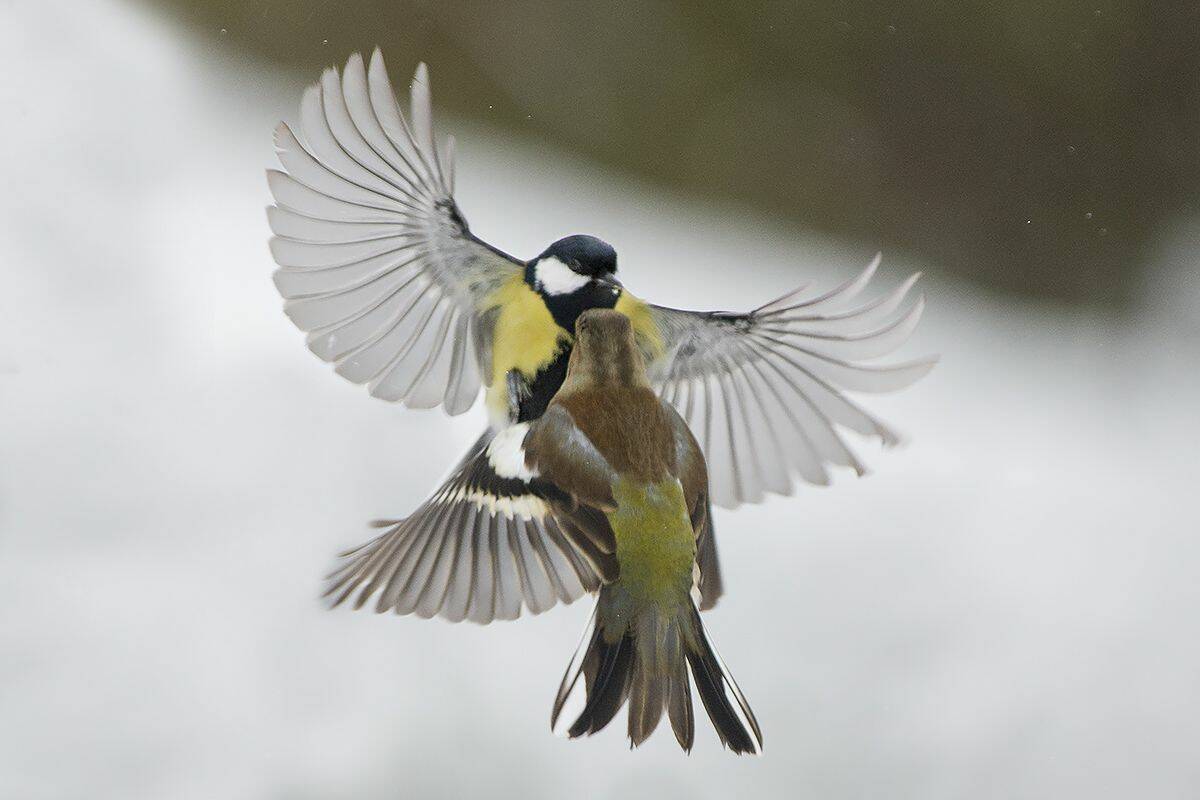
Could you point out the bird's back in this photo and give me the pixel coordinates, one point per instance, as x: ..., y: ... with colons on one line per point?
x: 629, y: 426
x: 656, y: 547
x: 655, y: 542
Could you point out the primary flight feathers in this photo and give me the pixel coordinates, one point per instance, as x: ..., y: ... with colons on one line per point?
x: 374, y: 260
x: 763, y: 391
x: 479, y: 549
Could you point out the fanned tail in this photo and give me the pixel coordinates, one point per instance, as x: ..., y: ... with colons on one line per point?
x: 647, y: 663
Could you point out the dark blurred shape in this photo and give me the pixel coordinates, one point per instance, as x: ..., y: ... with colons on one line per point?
x: 1034, y: 147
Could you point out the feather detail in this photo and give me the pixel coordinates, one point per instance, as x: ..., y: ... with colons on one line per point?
x: 483, y: 547
x: 376, y: 262
x: 764, y: 391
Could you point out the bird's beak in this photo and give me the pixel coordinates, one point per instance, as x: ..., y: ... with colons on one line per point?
x: 611, y: 280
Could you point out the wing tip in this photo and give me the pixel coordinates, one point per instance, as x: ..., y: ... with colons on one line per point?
x: 274, y: 178
x: 869, y: 272
x: 312, y: 92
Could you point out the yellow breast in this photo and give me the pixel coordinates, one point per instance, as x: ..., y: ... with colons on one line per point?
x: 525, y: 338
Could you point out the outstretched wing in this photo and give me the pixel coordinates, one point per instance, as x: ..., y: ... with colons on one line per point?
x: 376, y: 263
x: 763, y: 391
x: 481, y: 548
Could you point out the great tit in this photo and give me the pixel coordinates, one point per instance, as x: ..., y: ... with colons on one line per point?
x: 378, y: 267
x: 626, y: 481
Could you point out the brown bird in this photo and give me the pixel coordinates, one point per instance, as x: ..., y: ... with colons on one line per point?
x: 627, y: 483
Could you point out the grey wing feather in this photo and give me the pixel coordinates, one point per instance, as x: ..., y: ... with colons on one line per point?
x: 481, y: 548
x: 376, y: 263
x: 764, y: 392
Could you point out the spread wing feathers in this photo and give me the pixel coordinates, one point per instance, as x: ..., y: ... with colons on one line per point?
x: 480, y: 548
x: 763, y: 391
x: 376, y: 263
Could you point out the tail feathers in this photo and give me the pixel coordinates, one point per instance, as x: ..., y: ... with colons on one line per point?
x: 679, y: 710
x: 648, y: 665
x: 605, y: 667
x: 711, y: 679
x: 647, y: 699
x: 608, y: 677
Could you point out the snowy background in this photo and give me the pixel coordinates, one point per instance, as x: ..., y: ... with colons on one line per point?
x: 1004, y: 608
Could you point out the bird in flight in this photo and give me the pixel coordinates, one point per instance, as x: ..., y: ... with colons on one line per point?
x: 378, y: 266
x: 626, y: 481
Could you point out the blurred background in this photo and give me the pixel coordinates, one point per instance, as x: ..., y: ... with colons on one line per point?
x: 1004, y: 608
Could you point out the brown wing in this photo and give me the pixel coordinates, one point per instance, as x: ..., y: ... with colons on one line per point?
x: 576, y: 482
x: 560, y: 453
x: 693, y: 474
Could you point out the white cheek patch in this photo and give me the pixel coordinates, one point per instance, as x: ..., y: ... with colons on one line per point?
x: 555, y: 277
x: 507, y: 457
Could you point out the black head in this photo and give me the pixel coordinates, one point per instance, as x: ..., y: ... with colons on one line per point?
x: 585, y: 255
x: 574, y: 274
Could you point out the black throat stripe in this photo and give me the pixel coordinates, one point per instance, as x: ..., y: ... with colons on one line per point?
x: 565, y: 308
x: 545, y: 385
